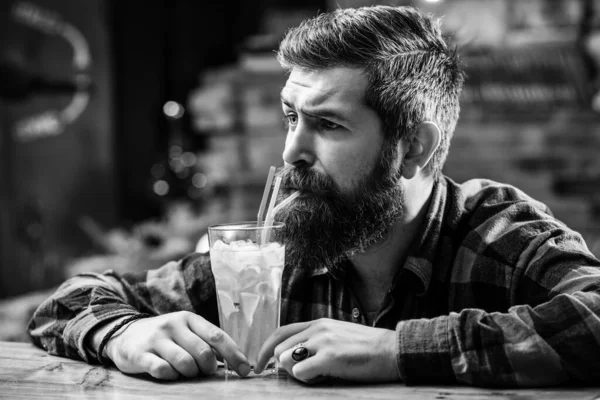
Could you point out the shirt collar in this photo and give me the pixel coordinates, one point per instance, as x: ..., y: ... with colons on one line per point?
x: 426, y: 243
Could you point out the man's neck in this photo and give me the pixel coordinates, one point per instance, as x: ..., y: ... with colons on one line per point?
x: 376, y: 267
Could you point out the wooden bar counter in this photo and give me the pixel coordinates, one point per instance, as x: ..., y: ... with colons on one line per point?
x: 27, y: 372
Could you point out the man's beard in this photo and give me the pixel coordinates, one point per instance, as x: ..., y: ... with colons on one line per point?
x: 326, y: 226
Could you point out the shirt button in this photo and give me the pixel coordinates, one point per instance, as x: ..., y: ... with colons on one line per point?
x: 355, y: 313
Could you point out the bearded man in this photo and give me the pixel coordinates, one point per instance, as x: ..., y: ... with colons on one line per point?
x: 394, y: 272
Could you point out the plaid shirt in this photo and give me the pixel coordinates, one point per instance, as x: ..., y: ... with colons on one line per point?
x: 495, y: 291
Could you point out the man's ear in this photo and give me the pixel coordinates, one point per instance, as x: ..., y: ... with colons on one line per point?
x: 419, y: 148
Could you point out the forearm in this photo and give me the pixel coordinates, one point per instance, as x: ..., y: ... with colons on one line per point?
x: 547, y: 345
x: 87, y: 302
x: 83, y: 303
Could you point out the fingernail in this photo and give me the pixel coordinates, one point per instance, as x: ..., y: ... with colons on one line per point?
x: 244, y: 369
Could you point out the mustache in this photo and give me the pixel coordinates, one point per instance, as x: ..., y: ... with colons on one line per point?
x: 293, y: 178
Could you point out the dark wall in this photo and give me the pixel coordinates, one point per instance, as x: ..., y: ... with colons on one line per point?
x: 160, y: 49
x: 51, y: 179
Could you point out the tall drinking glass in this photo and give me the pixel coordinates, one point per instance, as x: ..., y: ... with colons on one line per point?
x: 247, y: 263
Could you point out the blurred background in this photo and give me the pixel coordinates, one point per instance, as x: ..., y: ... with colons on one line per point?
x: 127, y: 127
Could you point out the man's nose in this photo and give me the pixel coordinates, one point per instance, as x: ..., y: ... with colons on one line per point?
x: 299, y: 147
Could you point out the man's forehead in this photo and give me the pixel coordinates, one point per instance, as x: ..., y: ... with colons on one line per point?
x: 318, y: 86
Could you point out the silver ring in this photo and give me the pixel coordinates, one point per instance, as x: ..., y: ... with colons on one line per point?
x: 300, y: 352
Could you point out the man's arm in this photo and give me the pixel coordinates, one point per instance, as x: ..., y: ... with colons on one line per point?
x: 535, y: 343
x: 64, y: 324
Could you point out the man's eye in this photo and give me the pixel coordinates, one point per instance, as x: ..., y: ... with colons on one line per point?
x: 291, y: 120
x: 329, y: 125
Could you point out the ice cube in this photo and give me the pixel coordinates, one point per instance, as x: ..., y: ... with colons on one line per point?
x: 225, y: 279
x: 271, y: 246
x: 276, y: 277
x: 265, y: 289
x: 248, y: 258
x: 273, y: 254
x: 233, y: 262
x: 249, y: 275
x: 270, y: 310
x: 219, y: 246
x: 249, y: 302
x: 237, y: 260
x: 226, y: 303
x: 241, y: 245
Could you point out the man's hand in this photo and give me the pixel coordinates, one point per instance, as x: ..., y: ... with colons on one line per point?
x: 337, y: 349
x: 174, y: 345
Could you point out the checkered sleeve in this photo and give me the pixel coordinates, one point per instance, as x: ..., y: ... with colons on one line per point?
x: 549, y: 336
x: 87, y: 301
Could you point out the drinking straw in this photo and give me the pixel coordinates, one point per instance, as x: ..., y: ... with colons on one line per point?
x: 269, y: 216
x: 263, y: 203
x: 286, y: 201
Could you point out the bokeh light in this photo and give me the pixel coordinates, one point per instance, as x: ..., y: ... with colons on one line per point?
x: 161, y: 187
x: 173, y: 109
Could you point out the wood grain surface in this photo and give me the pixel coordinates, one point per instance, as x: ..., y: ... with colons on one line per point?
x: 27, y: 372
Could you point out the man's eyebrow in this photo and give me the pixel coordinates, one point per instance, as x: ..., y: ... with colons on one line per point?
x: 319, y: 113
x: 284, y: 101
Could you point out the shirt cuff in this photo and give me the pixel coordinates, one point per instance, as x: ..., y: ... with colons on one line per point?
x: 76, y: 331
x: 424, y: 351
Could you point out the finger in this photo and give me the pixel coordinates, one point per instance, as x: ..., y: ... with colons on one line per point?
x: 180, y: 360
x: 313, y: 369
x: 291, y: 342
x: 280, y: 335
x: 198, y: 349
x: 286, y: 361
x: 285, y: 357
x: 157, y: 367
x: 222, y: 343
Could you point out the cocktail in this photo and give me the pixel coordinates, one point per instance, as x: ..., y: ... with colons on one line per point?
x: 247, y: 262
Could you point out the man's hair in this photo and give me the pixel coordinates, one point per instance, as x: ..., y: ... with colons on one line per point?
x: 412, y: 74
